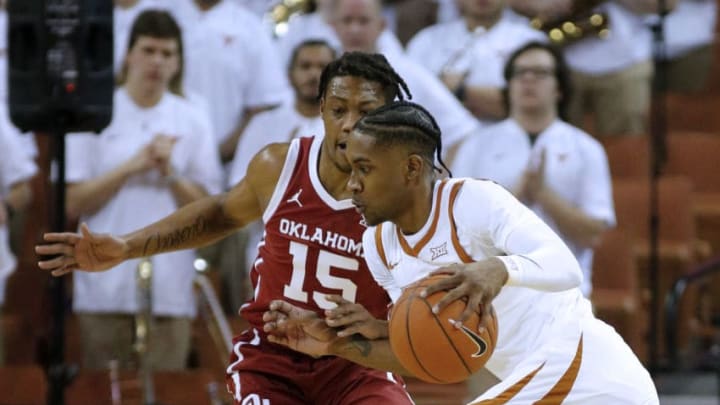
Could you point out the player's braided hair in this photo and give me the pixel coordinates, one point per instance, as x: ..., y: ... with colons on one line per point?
x: 406, y: 123
x: 370, y: 66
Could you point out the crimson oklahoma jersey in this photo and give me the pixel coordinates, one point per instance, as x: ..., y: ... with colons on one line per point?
x: 312, y: 245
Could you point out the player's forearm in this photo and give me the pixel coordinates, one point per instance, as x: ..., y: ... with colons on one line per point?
x: 375, y: 353
x: 572, y: 223
x: 89, y: 196
x: 194, y: 225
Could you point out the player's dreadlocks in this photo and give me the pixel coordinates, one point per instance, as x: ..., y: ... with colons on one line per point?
x: 373, y: 67
x: 405, y: 123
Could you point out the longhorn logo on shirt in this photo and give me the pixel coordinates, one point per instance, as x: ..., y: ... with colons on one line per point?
x: 295, y: 198
x: 479, y: 341
x: 439, y: 251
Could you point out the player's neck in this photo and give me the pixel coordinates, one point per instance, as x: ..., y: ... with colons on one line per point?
x: 419, y: 202
x: 534, y: 122
x: 332, y: 178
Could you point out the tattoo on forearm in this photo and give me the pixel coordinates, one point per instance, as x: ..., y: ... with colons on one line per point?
x: 176, y: 239
x: 361, y: 344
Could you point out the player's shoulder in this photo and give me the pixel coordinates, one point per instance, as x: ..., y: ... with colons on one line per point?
x: 478, y: 194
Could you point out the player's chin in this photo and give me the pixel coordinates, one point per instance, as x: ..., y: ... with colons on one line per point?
x: 372, y: 220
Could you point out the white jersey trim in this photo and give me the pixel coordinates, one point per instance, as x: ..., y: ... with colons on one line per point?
x: 317, y: 185
x: 283, y: 180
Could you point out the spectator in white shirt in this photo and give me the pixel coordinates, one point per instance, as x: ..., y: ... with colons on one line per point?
x: 158, y: 148
x: 557, y: 170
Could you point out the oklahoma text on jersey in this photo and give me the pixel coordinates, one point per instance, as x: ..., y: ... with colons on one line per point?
x: 319, y: 235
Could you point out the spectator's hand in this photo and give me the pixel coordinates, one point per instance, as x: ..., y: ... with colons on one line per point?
x: 142, y: 161
x: 297, y: 328
x: 533, y: 180
x: 81, y: 251
x: 477, y: 283
x: 162, y: 148
x: 350, y: 318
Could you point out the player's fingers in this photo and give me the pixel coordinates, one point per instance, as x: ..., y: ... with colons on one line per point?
x: 338, y: 299
x: 485, y: 317
x: 280, y: 340
x: 272, y: 316
x: 451, y: 296
x: 281, y: 306
x: 56, y: 263
x: 441, y: 285
x: 270, y: 327
x: 64, y: 270
x: 55, y: 249
x: 345, y: 320
x: 473, y: 306
x: 85, y: 230
x: 66, y: 237
x: 350, y: 330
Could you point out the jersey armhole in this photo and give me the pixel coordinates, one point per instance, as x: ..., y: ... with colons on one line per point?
x: 291, y: 161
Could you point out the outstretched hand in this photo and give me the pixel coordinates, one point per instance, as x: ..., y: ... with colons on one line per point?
x: 86, y: 251
x: 297, y: 328
x: 478, y: 282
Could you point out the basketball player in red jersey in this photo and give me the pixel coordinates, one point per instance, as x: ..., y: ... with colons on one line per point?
x: 311, y: 254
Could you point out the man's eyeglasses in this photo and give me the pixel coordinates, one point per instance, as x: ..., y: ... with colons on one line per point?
x: 535, y: 71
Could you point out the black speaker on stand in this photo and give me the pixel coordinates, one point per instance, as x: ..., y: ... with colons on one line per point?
x: 60, y: 80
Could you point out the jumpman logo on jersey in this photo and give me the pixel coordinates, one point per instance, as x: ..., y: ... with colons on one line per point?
x: 439, y: 251
x: 296, y: 198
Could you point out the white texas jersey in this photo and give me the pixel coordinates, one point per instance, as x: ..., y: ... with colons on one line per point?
x: 472, y: 220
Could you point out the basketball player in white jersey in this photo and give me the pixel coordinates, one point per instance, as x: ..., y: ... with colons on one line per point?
x: 551, y: 349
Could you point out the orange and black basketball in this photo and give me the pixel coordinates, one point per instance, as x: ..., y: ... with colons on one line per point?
x: 429, y: 345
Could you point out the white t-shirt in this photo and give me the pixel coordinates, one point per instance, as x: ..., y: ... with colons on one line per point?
x: 488, y: 222
x: 278, y: 125
x: 453, y: 119
x: 142, y: 200
x: 230, y: 61
x: 628, y: 43
x: 690, y: 25
x: 15, y: 166
x: 123, y: 19
x: 576, y: 168
x: 481, y: 53
x: 313, y: 26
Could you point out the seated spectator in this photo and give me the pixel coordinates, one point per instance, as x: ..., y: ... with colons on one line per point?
x: 556, y: 169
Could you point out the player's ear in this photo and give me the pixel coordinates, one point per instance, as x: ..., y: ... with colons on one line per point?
x: 415, y: 165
